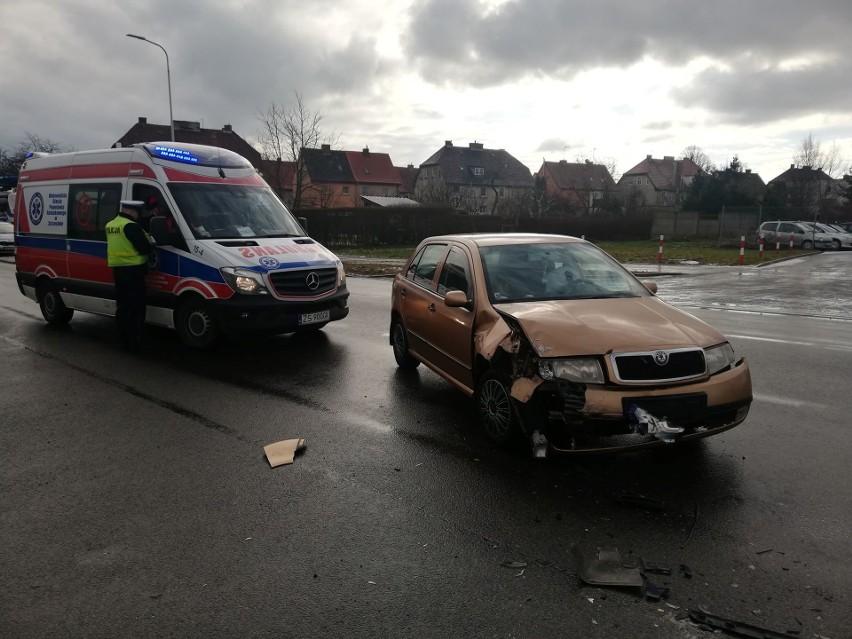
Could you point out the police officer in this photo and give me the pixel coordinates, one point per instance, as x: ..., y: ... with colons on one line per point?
x: 128, y: 247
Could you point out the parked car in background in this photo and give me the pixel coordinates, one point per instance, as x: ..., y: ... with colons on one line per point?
x: 561, y: 345
x: 7, y: 237
x: 840, y: 239
x: 803, y: 236
x: 846, y: 226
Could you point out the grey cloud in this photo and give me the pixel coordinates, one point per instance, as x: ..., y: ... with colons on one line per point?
x: 658, y: 126
x: 755, y: 96
x: 553, y: 144
x: 460, y: 41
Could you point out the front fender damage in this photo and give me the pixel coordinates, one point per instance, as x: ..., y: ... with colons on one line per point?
x: 504, y: 344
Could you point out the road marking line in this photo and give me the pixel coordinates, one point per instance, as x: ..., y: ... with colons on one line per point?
x: 785, y: 401
x: 834, y: 347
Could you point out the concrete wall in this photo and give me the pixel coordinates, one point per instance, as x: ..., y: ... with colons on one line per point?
x: 729, y: 225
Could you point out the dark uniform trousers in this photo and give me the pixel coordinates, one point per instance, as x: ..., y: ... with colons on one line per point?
x: 130, y: 302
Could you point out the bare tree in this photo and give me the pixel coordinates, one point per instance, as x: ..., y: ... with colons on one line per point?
x: 811, y: 153
x: 286, y: 130
x: 12, y: 159
x: 696, y: 154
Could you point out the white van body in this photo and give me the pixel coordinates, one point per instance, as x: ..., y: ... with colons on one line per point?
x: 234, y: 260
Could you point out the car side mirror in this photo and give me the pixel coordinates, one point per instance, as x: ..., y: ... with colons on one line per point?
x: 159, y: 230
x: 303, y: 222
x: 651, y: 286
x: 456, y: 299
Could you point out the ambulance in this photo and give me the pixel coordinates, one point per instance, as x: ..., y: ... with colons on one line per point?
x: 230, y: 258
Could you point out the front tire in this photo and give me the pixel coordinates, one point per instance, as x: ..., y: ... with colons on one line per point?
x: 52, y: 307
x: 807, y: 245
x: 399, y: 340
x: 496, y: 412
x: 836, y: 244
x: 196, y: 324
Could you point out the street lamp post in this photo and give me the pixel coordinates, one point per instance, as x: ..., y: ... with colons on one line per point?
x: 168, y: 77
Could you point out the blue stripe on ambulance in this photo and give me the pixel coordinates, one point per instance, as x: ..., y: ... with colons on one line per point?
x: 189, y: 268
x: 51, y: 243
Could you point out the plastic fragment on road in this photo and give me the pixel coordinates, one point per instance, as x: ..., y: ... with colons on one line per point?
x: 605, y: 568
x: 703, y: 617
x: 514, y: 564
x: 643, y: 422
x: 283, y: 452
x: 539, y: 445
x: 629, y: 498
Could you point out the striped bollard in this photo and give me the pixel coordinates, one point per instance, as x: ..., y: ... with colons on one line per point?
x: 742, y: 250
x: 791, y: 241
x: 660, y: 251
x: 778, y: 244
x: 760, y: 247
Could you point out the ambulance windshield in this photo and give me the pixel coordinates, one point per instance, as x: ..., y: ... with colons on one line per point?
x: 231, y: 211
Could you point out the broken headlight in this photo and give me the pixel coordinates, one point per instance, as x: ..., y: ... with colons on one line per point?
x: 584, y: 370
x: 718, y: 358
x: 242, y: 280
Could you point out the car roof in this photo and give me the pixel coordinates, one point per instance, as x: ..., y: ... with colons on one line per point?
x: 500, y: 239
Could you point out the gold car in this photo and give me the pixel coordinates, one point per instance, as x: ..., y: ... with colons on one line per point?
x: 561, y: 345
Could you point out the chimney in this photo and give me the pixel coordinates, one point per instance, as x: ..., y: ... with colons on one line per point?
x: 563, y: 161
x: 448, y: 143
x: 668, y: 158
x: 792, y: 166
x: 227, y: 128
x: 143, y: 120
x: 476, y: 146
x: 326, y: 147
x: 366, y: 151
x: 410, y: 166
x: 748, y: 170
x: 648, y: 157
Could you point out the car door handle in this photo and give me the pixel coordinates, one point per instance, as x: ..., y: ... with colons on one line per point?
x: 431, y: 308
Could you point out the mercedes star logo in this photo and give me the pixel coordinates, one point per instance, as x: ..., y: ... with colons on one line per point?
x: 661, y: 358
x: 312, y: 281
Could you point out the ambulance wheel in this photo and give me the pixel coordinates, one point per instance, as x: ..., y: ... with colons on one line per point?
x: 52, y: 306
x: 195, y: 324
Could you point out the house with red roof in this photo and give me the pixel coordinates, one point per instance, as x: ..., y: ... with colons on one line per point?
x: 662, y: 182
x: 582, y: 184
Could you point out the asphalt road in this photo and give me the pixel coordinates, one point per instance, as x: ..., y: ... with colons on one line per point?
x: 135, y: 500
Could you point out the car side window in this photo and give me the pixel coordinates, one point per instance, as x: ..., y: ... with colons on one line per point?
x: 455, y: 275
x: 412, y: 268
x: 423, y: 270
x: 786, y: 227
x: 91, y: 206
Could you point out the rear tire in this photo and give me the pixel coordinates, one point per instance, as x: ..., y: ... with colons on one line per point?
x: 807, y: 245
x: 836, y: 244
x: 52, y: 307
x: 196, y: 324
x: 399, y: 340
x: 496, y: 412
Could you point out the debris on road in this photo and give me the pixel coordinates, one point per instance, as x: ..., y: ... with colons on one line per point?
x: 605, y: 568
x: 630, y: 498
x: 706, y: 619
x: 283, y: 452
x: 514, y: 564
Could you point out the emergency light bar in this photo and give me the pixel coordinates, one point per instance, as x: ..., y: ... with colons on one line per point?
x: 196, y: 154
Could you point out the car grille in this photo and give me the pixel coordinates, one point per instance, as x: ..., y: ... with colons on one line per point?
x: 636, y: 368
x: 294, y: 283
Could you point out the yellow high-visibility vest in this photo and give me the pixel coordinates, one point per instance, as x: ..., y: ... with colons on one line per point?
x: 120, y: 250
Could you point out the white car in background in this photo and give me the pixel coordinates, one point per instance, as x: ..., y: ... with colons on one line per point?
x: 840, y: 239
x: 7, y: 237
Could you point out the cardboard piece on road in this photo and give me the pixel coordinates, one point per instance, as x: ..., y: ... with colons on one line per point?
x: 283, y: 452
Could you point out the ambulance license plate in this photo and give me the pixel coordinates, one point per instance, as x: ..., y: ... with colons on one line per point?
x: 313, y: 318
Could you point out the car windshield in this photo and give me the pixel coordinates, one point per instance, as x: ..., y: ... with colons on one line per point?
x: 232, y: 211
x: 555, y: 271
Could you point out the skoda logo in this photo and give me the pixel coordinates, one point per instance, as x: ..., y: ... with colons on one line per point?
x: 661, y: 358
x: 312, y: 281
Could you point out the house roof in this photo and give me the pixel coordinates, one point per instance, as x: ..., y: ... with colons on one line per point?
x: 407, y: 178
x: 373, y: 168
x: 389, y: 201
x: 802, y: 174
x: 325, y: 165
x: 662, y: 172
x: 282, y: 171
x: 579, y: 176
x: 191, y: 132
x: 499, y: 167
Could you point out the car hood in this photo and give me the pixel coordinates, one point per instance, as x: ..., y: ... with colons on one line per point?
x: 561, y: 328
x: 270, y: 254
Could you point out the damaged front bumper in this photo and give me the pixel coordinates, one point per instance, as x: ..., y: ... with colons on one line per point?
x: 575, y: 418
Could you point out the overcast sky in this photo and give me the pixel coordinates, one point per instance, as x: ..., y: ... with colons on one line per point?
x: 544, y: 79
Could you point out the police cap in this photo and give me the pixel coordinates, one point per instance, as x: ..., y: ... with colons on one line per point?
x: 135, y: 205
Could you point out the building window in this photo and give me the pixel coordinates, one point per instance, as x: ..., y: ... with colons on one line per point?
x: 478, y: 170
x: 482, y: 191
x: 345, y: 190
x: 500, y: 191
x: 367, y: 170
x: 385, y: 192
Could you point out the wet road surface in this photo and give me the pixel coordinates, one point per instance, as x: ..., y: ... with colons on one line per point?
x: 135, y: 499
